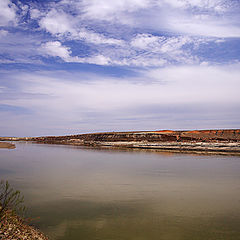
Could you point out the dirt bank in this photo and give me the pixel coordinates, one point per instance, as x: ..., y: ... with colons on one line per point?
x: 212, y: 141
x: 13, y: 227
x: 7, y: 145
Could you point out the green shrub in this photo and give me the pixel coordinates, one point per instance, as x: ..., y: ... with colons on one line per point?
x: 10, y: 199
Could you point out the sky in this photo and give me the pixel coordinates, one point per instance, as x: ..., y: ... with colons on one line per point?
x: 79, y: 66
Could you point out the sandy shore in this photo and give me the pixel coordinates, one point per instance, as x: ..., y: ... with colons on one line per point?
x: 7, y: 145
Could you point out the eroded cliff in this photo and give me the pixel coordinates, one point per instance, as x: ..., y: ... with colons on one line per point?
x: 215, y: 141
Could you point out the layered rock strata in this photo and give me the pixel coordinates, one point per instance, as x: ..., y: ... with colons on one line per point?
x: 213, y: 141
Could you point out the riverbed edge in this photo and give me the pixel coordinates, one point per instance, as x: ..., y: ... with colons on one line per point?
x: 221, y: 141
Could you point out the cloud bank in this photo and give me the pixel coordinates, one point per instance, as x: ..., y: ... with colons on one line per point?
x: 174, y: 97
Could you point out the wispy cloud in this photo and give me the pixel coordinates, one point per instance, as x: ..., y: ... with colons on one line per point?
x: 170, y: 92
x: 67, y: 27
x: 205, y: 18
x: 77, y: 25
x: 144, y: 50
x: 56, y: 49
x: 18, y: 47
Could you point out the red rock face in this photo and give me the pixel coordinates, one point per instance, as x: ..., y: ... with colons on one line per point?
x: 220, y: 135
x: 165, y: 131
x: 209, y: 141
x: 154, y: 136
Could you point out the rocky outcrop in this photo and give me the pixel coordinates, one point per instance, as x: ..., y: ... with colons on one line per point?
x: 197, y: 147
x: 217, y: 141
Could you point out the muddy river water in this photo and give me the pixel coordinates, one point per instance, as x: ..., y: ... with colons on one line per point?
x: 75, y: 193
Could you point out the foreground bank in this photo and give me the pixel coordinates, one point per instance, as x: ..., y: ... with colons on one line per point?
x: 14, y: 227
x: 204, y: 141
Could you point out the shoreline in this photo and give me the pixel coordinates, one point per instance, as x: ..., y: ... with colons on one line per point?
x: 14, y: 227
x: 151, y: 148
x: 173, y: 147
x: 6, y: 145
x: 225, y: 142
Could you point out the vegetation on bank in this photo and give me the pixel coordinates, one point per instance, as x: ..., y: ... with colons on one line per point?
x: 12, y: 226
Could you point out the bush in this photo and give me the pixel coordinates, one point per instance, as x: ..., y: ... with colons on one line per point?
x: 10, y: 199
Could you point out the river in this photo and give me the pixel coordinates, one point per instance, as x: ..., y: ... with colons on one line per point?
x: 75, y: 193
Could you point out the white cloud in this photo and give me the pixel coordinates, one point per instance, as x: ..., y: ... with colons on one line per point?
x: 96, y: 38
x: 176, y: 49
x: 210, y: 27
x: 108, y: 9
x: 145, y: 41
x: 68, y: 28
x: 212, y: 18
x: 95, y: 101
x: 112, y: 47
x: 7, y: 12
x: 56, y: 49
x: 171, y: 85
x: 144, y: 50
x: 210, y: 5
x: 36, y: 14
x: 98, y: 27
x: 160, y: 43
x: 97, y: 59
x: 200, y: 84
x: 141, y: 61
x: 57, y: 22
x: 24, y: 8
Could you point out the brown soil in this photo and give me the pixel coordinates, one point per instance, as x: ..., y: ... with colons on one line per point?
x: 13, y: 227
x: 7, y: 145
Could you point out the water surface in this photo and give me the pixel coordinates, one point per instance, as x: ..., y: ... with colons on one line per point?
x: 78, y: 193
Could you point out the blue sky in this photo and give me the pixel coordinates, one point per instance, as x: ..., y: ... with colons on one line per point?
x: 81, y: 66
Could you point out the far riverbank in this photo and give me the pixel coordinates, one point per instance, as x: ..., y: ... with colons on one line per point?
x: 221, y: 141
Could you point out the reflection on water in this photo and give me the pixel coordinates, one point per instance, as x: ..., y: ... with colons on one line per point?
x: 90, y: 194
